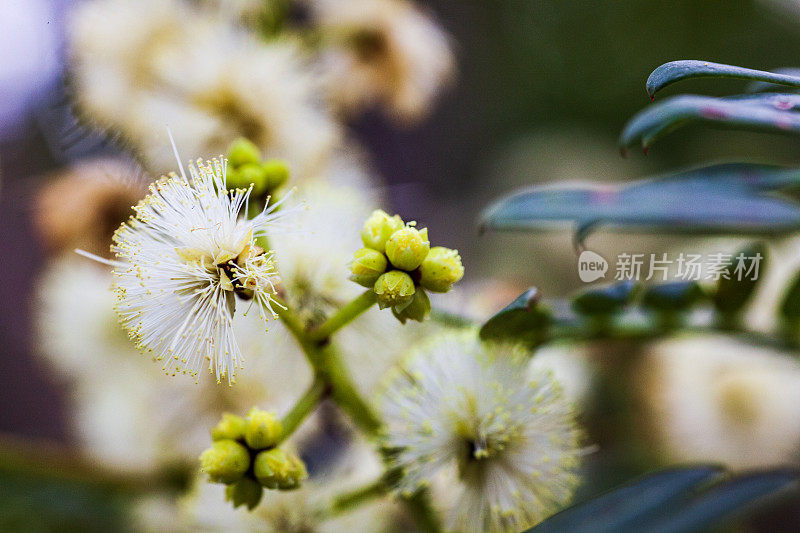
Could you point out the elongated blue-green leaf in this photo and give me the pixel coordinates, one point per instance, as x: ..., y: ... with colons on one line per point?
x: 758, y: 86
x: 669, y: 73
x: 672, y: 501
x: 722, y: 501
x: 524, y: 320
x: 719, y: 199
x: 606, y: 299
x: 762, y: 112
x: 608, y: 512
x: 672, y: 296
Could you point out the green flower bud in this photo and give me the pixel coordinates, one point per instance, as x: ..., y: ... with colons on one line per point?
x: 276, y: 173
x: 278, y: 469
x: 394, y: 289
x: 242, y: 152
x: 441, y: 268
x: 263, y: 429
x: 418, y: 309
x: 250, y: 174
x: 246, y: 491
x: 407, y: 248
x: 367, y: 266
x: 230, y: 427
x: 225, y: 462
x: 378, y: 228
x: 297, y: 474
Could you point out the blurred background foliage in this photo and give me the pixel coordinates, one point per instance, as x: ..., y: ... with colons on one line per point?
x: 543, y: 90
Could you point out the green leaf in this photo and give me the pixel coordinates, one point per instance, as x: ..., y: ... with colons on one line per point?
x: 761, y: 112
x: 672, y: 296
x: 731, y: 295
x: 607, y: 299
x: 678, y: 500
x: 524, y: 320
x: 617, y: 507
x: 730, y: 198
x: 759, y: 86
x: 722, y: 501
x: 674, y: 71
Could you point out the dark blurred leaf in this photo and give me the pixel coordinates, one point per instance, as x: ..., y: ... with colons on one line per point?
x: 669, y: 73
x: 726, y: 198
x: 524, y: 320
x: 672, y: 296
x: 605, y: 299
x: 731, y: 294
x: 609, y: 511
x: 679, y: 500
x: 735, y: 496
x: 762, y: 112
x: 39, y: 503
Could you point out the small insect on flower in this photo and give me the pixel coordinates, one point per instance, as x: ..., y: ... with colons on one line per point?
x: 479, y: 420
x: 183, y: 261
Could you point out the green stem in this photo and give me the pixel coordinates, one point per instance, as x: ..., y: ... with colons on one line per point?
x: 345, y: 393
x: 298, y: 331
x: 331, y: 371
x: 304, y: 406
x: 347, y: 500
x: 344, y: 316
x: 327, y: 364
x: 419, y: 506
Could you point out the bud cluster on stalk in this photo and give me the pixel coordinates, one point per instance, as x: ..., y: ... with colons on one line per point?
x: 247, y: 168
x: 245, y: 456
x: 398, y: 263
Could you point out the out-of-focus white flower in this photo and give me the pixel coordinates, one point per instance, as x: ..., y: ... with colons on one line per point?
x: 382, y: 52
x: 313, y: 261
x: 783, y: 265
x: 183, y: 260
x: 141, y: 65
x: 499, y: 447
x: 569, y: 365
x: 718, y: 399
x: 126, y: 414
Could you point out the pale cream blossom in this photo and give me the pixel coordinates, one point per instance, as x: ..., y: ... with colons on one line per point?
x: 498, y: 445
x: 126, y: 414
x: 718, y: 399
x: 139, y: 66
x: 384, y: 52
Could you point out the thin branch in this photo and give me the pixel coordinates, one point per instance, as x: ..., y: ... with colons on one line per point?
x: 304, y: 406
x: 345, y: 315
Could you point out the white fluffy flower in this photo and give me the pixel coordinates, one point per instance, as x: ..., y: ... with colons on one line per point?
x: 183, y: 260
x: 713, y: 398
x: 126, y: 414
x: 468, y: 416
x: 382, y: 52
x: 139, y: 66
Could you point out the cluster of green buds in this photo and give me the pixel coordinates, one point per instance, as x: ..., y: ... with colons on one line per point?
x: 246, y: 168
x: 246, y: 458
x: 398, y: 263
